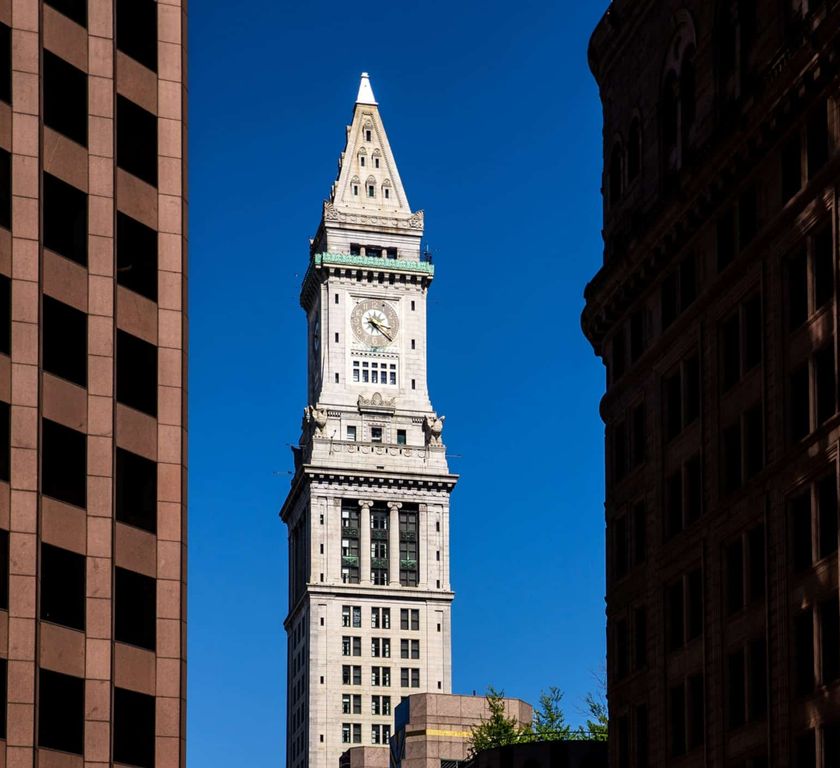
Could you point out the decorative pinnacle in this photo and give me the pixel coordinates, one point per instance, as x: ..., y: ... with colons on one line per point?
x: 365, y: 91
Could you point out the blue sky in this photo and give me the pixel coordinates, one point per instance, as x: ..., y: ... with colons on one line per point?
x: 494, y: 120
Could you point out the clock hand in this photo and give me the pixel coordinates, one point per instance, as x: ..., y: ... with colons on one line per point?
x: 383, y: 329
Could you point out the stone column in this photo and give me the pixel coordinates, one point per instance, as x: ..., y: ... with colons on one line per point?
x: 394, y: 543
x: 364, y: 541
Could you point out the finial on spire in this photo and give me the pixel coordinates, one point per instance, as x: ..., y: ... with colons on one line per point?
x: 365, y: 91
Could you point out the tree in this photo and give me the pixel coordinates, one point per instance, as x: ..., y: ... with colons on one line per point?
x: 498, y: 729
x: 549, y: 721
x: 597, y: 721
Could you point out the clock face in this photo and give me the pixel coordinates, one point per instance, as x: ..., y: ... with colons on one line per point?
x: 375, y: 322
x: 316, y: 334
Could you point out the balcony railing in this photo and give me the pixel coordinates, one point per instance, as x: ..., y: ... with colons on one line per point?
x: 377, y: 534
x: 379, y: 563
x: 350, y: 561
x: 408, y: 565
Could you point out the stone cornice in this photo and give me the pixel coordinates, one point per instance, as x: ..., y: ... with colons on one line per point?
x: 331, y: 263
x: 309, y: 473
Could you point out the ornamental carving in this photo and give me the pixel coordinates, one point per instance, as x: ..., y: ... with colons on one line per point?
x: 376, y: 401
x: 315, y: 420
x: 433, y: 427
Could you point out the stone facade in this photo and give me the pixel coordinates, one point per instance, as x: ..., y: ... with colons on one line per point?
x: 92, y: 383
x: 368, y: 510
x: 715, y: 313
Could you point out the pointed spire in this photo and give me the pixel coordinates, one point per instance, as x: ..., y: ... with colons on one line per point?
x: 365, y: 91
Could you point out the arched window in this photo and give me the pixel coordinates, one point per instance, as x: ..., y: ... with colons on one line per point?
x: 616, y: 174
x: 386, y: 189
x: 362, y: 157
x: 688, y: 95
x: 735, y: 37
x: 679, y: 95
x: 370, y: 186
x: 377, y: 158
x: 634, y: 150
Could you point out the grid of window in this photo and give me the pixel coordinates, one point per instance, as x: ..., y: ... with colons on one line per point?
x: 380, y: 647
x: 351, y: 616
x: 351, y: 704
x: 351, y: 646
x: 373, y: 372
x: 351, y: 733
x: 410, y: 677
x: 409, y: 528
x: 380, y: 705
x: 410, y: 618
x: 409, y: 649
x: 380, y: 733
x: 380, y: 618
x: 380, y: 677
x: 351, y: 674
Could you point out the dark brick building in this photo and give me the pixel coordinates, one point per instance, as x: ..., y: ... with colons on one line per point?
x: 715, y: 313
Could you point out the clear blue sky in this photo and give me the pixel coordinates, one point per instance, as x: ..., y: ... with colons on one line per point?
x: 494, y: 120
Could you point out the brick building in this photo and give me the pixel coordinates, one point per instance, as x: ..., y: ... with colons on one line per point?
x: 92, y: 383
x: 715, y: 313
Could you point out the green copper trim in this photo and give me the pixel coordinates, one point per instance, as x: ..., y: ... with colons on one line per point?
x: 374, y: 262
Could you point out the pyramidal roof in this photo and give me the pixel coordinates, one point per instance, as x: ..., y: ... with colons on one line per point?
x: 368, y: 181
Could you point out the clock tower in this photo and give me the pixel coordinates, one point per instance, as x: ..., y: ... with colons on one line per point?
x: 368, y: 510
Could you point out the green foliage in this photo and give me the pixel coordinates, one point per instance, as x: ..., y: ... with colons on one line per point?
x: 498, y: 730
x: 548, y: 724
x: 597, y: 721
x: 549, y: 721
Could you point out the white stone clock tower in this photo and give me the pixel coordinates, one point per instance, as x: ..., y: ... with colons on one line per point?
x: 368, y: 510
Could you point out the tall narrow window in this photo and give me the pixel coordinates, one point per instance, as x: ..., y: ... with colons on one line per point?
x: 137, y: 31
x: 61, y: 712
x: 137, y: 364
x: 64, y: 341
x: 62, y: 587
x: 65, y: 219
x: 137, y: 256
x: 136, y: 490
x: 5, y: 189
x: 137, y: 141
x: 65, y: 98
x: 134, y: 728
x: 63, y: 463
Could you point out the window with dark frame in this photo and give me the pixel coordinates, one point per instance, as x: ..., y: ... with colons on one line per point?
x: 5, y: 189
x: 61, y: 711
x: 65, y: 90
x: 62, y: 587
x: 63, y: 463
x: 135, y: 609
x: 65, y: 216
x: 134, y: 728
x: 683, y: 496
x: 137, y: 141
x: 136, y: 490
x: 682, y: 396
x: 137, y: 368
x: 64, y: 341
x: 137, y: 256
x: 741, y: 341
x: 5, y: 441
x: 137, y: 31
